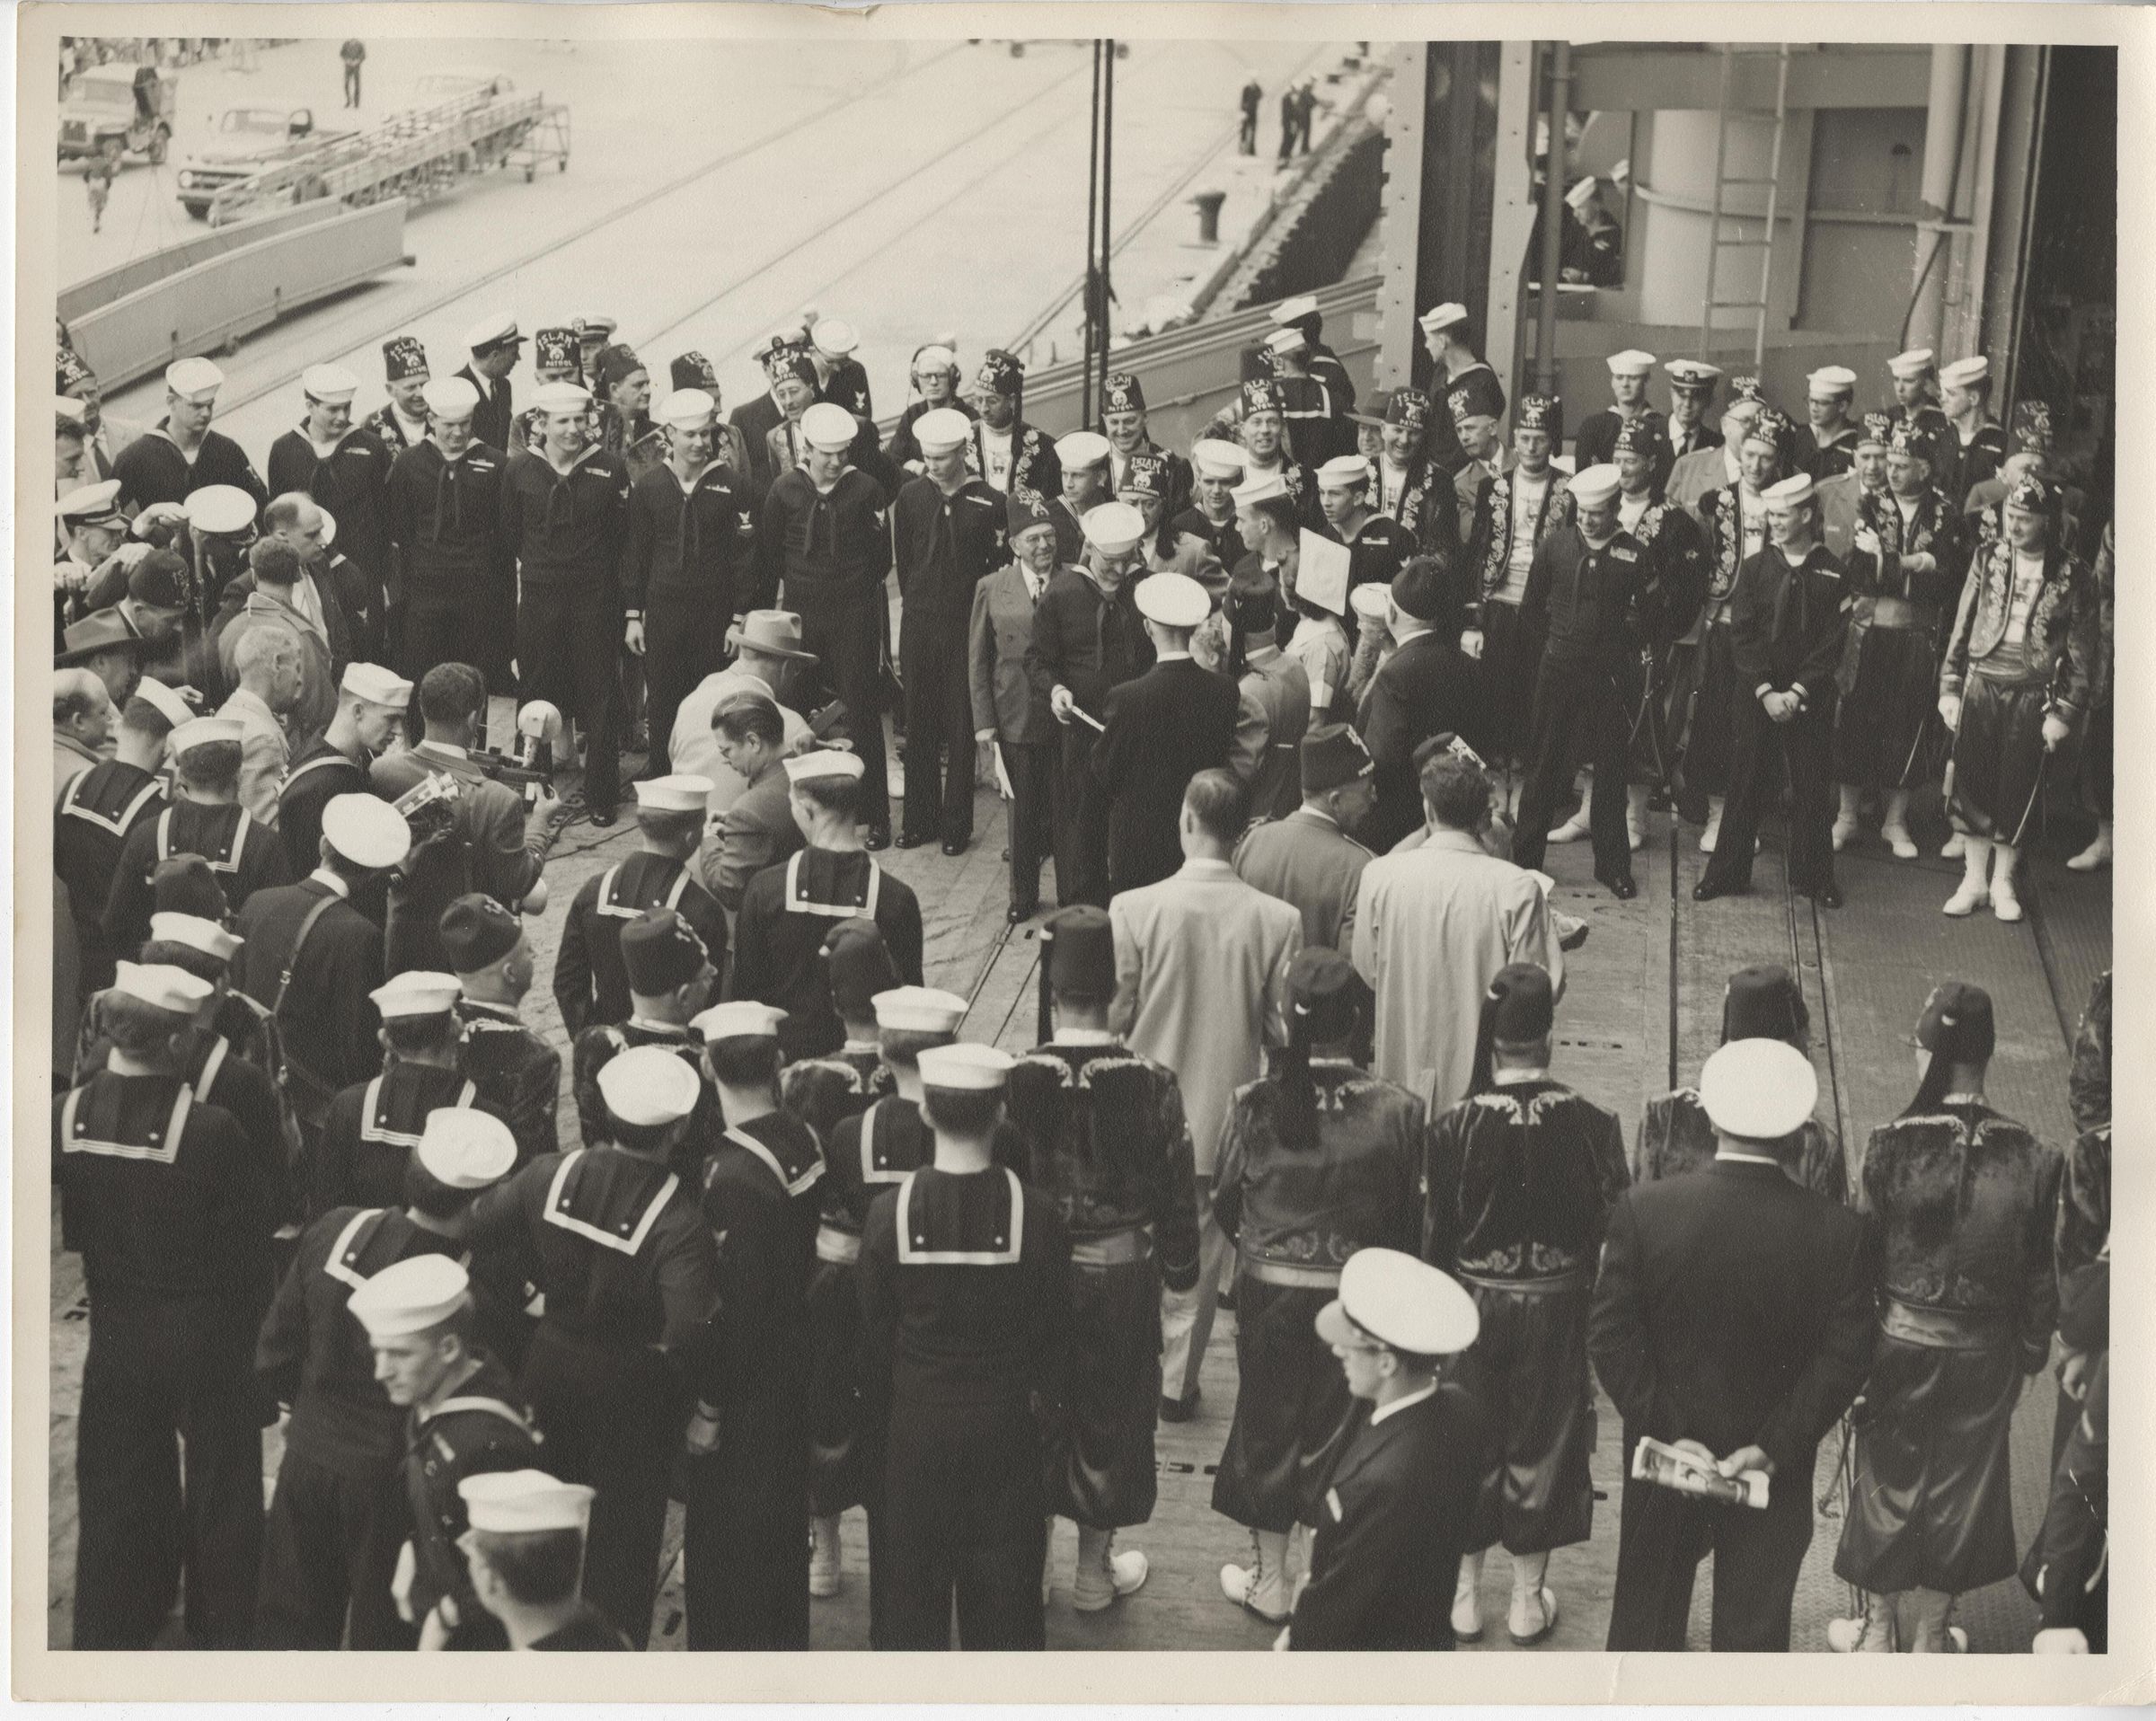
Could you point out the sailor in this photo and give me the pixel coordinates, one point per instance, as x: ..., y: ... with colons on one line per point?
x: 220, y: 530
x: 344, y: 467
x: 693, y: 370
x: 1082, y: 461
x: 516, y: 1072
x: 400, y: 421
x: 373, y: 1125
x: 492, y: 346
x: 823, y: 1091
x: 1445, y: 339
x: 1317, y: 1161
x: 631, y: 1278
x: 787, y: 909
x: 1829, y: 446
x: 209, y: 821
x: 1104, y: 1138
x: 1517, y: 510
x: 1518, y: 1183
x: 371, y: 705
x: 1976, y: 449
x: 840, y: 376
x: 1001, y: 449
x: 525, y: 1550
x: 181, y: 454
x: 1964, y: 1198
x: 590, y: 985
x: 1915, y: 374
x: 1377, y: 543
x: 1596, y: 438
x: 338, y: 1516
x: 1316, y: 426
x: 94, y: 548
x: 186, y: 886
x: 1394, y: 1518
x: 871, y: 1146
x: 1676, y: 1138
x: 966, y: 1299
x: 745, y: 1548
x: 592, y: 336
x: 462, y: 1418
x: 172, y: 1212
x: 99, y: 809
x: 668, y: 977
x: 1216, y: 469
x: 1301, y: 314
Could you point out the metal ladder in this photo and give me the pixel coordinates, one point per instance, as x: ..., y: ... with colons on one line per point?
x: 1726, y: 230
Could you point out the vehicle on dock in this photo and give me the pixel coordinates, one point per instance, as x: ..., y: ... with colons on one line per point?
x: 116, y: 110
x: 248, y: 140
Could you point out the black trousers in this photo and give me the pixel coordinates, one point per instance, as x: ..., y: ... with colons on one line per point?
x: 1031, y: 819
x: 351, y: 85
x: 329, y: 1547
x: 961, y: 1519
x: 1578, y: 714
x: 1247, y: 141
x: 1662, y: 1536
x: 744, y: 1545
x: 1081, y: 821
x: 159, y: 1373
x: 438, y: 631
x: 684, y: 640
x: 845, y: 636
x: 1529, y: 1368
x: 1806, y: 746
x: 939, y: 716
x: 566, y: 644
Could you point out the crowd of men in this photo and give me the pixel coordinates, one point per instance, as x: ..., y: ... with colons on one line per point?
x: 1293, y: 715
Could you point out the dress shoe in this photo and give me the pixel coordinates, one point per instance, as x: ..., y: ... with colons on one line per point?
x: 1020, y: 912
x: 1620, y: 886
x: 602, y: 816
x: 2097, y: 854
x: 879, y: 837
x: 1707, y: 890
x: 954, y: 848
x: 907, y: 840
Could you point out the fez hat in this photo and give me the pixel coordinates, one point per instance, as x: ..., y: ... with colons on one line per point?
x: 661, y: 951
x: 186, y: 885
x: 1764, y: 1003
x: 1077, y: 959
x: 477, y: 931
x: 860, y: 965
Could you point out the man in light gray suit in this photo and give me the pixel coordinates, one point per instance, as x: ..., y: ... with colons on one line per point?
x: 1008, y: 709
x: 1308, y: 860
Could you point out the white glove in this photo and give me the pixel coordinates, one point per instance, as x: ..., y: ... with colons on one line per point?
x: 399, y: 1586
x: 1470, y: 643
x: 2060, y: 1640
x: 1949, y: 710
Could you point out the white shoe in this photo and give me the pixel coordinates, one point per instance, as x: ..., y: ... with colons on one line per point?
x: 1531, y: 1617
x: 2005, y: 904
x: 1467, y: 1616
x: 1951, y: 849
x: 1104, y: 1581
x: 1958, y: 1641
x: 1966, y: 900
x: 1852, y: 1636
x: 2096, y: 855
x: 823, y: 1557
x: 1261, y: 1592
x: 1844, y: 829
x: 1898, y: 839
x: 1571, y: 831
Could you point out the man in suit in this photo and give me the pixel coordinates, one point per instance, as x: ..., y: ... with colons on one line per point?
x: 268, y: 665
x: 279, y: 590
x: 493, y: 346
x: 1424, y: 688
x: 1175, y: 720
x: 1201, y: 986
x: 1274, y: 699
x: 757, y: 828
x: 1386, y: 1551
x: 1733, y: 1319
x: 1008, y: 710
x: 1310, y: 860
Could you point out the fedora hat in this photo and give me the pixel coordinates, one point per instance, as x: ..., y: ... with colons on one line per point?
x: 100, y: 632
x: 776, y: 633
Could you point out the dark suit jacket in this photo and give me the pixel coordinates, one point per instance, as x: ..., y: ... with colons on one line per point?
x: 329, y: 1020
x: 1174, y: 721
x: 1424, y: 688
x: 757, y: 831
x: 1391, y: 1530
x: 1735, y: 1307
x: 485, y: 850
x: 492, y: 422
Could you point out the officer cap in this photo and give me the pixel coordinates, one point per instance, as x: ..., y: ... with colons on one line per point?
x: 496, y: 328
x: 1027, y: 509
x: 1404, y: 1304
x: 366, y: 830
x: 417, y: 991
x: 1172, y: 600
x: 1114, y: 527
x: 861, y: 967
x: 940, y: 429
x: 920, y: 1009
x: 824, y: 762
x: 156, y: 580
x: 461, y: 1148
x: 1122, y: 393
x: 1418, y: 588
x: 1916, y: 362
x: 1829, y: 382
x: 403, y: 358
x: 202, y: 732
x: 67, y: 410
x: 1343, y: 469
x: 1596, y: 485
x: 1791, y: 492
x: 1333, y: 753
x: 694, y: 370
x: 450, y: 399
x: 1441, y: 317
x: 194, y: 379
x: 1080, y: 951
x: 562, y: 397
x: 742, y: 1018
x: 1213, y: 458
x: 661, y: 951
x: 376, y: 685
x: 968, y: 1067
x: 678, y: 794
x: 413, y: 1295
x: 1520, y: 1006
x: 1638, y: 436
x: 220, y: 508
x: 1957, y: 1023
x: 1080, y: 449
x: 163, y: 984
x: 91, y: 503
x: 1631, y: 362
x: 197, y: 932
x: 595, y: 329
x: 513, y: 1502
x: 1322, y: 993
x: 1692, y: 375
x: 187, y: 885
x: 649, y: 1087
x: 477, y: 931
x: 1144, y: 475
x: 332, y: 385
x: 1540, y: 412
x: 1758, y: 1090
x: 1764, y: 1003
x: 829, y: 428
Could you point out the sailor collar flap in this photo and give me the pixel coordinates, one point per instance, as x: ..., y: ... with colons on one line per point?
x: 72, y: 806
x: 626, y: 1235
x: 794, y: 1181
x: 826, y: 871
x: 377, y: 1114
x: 611, y: 904
x: 162, y: 1148
x: 227, y: 859
x: 920, y: 1233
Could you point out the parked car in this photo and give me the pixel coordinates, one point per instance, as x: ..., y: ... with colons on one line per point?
x: 437, y: 87
x: 248, y: 140
x: 116, y: 109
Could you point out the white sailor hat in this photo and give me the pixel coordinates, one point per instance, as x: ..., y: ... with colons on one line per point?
x: 1441, y: 317
x: 1693, y: 373
x: 416, y: 993
x: 201, y: 731
x: 1113, y: 527
x: 376, y: 686
x: 514, y: 1502
x: 463, y: 1148
x: 738, y: 1019
x: 68, y: 409
x: 176, y: 711
x: 967, y: 1066
x: 89, y: 503
x: 921, y: 1008
x: 938, y: 355
x: 332, y: 385
x: 1580, y: 193
x: 1345, y: 468
x: 835, y: 337
x: 649, y: 1087
x: 829, y: 428
x: 1304, y: 304
x: 1080, y: 449
x: 1263, y: 488
x: 678, y: 794
x: 1284, y: 341
x: 1830, y: 380
x: 1759, y: 1089
x: 194, y: 379
x: 411, y: 1296
x: 197, y: 933
x: 1916, y: 362
x: 161, y: 984
x: 1791, y: 492
x: 1213, y: 458
x: 1631, y: 362
x: 366, y: 830
x: 1369, y: 600
x: 1403, y: 1303
x: 823, y: 761
x: 451, y: 398
x: 220, y: 508
x: 1172, y: 600
x: 496, y: 329
x: 1595, y: 486
x: 686, y: 409
x: 941, y: 428
x: 328, y: 525
x: 562, y: 397
x: 1965, y: 372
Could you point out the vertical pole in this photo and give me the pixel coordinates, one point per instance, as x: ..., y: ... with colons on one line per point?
x: 1108, y: 174
x: 1553, y: 210
x: 1092, y: 206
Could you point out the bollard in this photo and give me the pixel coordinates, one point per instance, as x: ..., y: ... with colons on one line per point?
x: 1208, y: 216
